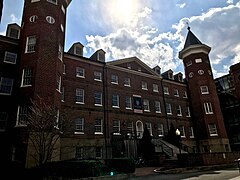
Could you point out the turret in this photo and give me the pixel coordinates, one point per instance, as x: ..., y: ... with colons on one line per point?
x: 209, y: 129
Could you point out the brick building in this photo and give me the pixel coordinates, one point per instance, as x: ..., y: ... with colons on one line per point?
x: 110, y: 103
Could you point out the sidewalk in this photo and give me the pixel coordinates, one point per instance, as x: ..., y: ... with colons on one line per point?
x: 144, y: 171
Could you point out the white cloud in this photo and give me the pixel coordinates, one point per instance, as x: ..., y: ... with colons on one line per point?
x: 137, y: 40
x: 14, y: 19
x: 181, y: 5
x: 218, y: 28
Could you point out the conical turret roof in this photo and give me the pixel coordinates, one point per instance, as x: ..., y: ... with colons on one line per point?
x: 191, y: 39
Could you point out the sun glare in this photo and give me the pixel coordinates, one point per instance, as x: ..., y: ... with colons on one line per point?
x: 124, y: 10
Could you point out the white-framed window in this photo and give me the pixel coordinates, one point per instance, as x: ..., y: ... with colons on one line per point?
x: 114, y: 79
x: 63, y: 9
x: 130, y: 127
x: 97, y: 76
x: 98, y: 126
x: 98, y: 98
x: 182, y: 131
x: 157, y: 107
x: 160, y: 130
x: 116, y: 127
x: 155, y: 88
x: 139, y: 129
x: 79, y: 152
x: 99, y: 152
x: 62, y: 94
x: 165, y: 90
x: 179, y: 110
x: 146, y: 105
x: 191, y: 74
x: 52, y: 1
x: 64, y: 68
x: 13, y: 33
x: 30, y: 44
x: 115, y: 101
x: 191, y: 134
x: 212, y: 129
x: 144, y: 85
x: 200, y: 72
x: 6, y: 85
x: 10, y: 57
x: 3, y: 121
x: 169, y: 108
x: 33, y: 18
x: 127, y: 82
x: 80, y: 72
x: 22, y: 115
x: 59, y: 82
x: 198, y: 60
x: 128, y: 102
x: 185, y: 94
x: 188, y: 114
x: 26, y: 77
x: 189, y: 63
x: 78, y: 50
x: 180, y: 78
x: 60, y: 52
x: 57, y: 117
x: 208, y: 108
x: 204, y: 89
x: 62, y: 28
x: 149, y: 127
x: 101, y: 56
x: 79, y: 96
x: 139, y: 69
x: 176, y: 93
x: 79, y: 126
x: 170, y: 75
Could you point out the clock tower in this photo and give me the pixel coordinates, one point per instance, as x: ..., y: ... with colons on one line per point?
x: 209, y: 129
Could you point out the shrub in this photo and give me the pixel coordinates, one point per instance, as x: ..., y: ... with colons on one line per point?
x: 120, y: 165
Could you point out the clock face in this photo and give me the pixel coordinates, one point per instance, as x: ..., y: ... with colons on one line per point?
x: 200, y: 72
x: 191, y: 74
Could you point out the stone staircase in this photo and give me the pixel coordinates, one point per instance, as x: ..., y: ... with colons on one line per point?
x: 170, y: 150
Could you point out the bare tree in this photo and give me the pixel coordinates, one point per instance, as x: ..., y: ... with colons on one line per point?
x: 45, y: 130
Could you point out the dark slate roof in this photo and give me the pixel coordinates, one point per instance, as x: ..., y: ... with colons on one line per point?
x: 191, y: 39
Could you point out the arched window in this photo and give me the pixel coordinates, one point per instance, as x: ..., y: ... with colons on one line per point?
x: 139, y: 129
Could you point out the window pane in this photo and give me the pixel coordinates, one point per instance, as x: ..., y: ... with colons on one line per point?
x: 6, y: 86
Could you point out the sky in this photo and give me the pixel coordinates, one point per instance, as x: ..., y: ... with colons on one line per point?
x: 152, y: 30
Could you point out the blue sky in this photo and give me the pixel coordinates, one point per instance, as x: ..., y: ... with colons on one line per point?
x: 152, y: 30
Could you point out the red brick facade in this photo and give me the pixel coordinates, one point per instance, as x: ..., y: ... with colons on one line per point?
x: 108, y: 121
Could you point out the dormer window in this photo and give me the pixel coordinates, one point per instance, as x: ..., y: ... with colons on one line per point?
x: 180, y: 78
x: 170, y: 75
x: 101, y: 56
x: 129, y: 65
x: 78, y: 50
x: 13, y: 32
x: 158, y: 70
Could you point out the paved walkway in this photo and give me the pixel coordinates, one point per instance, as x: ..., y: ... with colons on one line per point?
x: 144, y: 171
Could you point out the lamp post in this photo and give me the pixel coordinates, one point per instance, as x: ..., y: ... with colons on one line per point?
x: 178, y: 134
